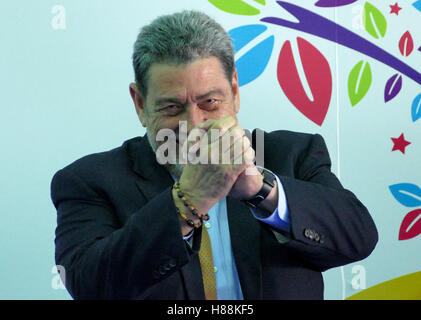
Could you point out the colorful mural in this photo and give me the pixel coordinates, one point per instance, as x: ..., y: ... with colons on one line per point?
x: 314, y: 104
x: 346, y: 69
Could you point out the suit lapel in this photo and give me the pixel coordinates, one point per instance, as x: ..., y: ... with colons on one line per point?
x: 154, y: 177
x: 192, y: 272
x: 245, y: 241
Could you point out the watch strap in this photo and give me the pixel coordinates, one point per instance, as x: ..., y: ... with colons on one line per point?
x: 268, y: 184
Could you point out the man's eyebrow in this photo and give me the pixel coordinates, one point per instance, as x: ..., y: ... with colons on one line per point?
x: 167, y: 99
x: 162, y: 100
x: 218, y: 92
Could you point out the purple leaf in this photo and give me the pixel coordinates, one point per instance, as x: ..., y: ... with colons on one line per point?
x: 333, y: 3
x: 393, y: 87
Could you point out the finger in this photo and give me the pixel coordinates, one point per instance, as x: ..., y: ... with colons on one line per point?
x: 231, y: 137
x: 237, y: 150
x: 206, y: 124
x: 227, y: 121
x: 210, y: 144
x: 238, y: 155
x: 194, y: 139
x: 225, y: 149
x: 252, y: 171
x: 247, y: 157
x: 220, y: 127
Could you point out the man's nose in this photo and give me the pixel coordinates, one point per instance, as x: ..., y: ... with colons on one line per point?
x: 195, y: 115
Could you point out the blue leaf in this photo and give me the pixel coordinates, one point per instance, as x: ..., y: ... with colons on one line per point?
x: 416, y: 108
x: 242, y: 35
x: 253, y: 62
x: 417, y: 5
x: 407, y: 194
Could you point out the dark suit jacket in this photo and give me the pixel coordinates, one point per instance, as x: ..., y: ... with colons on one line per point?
x: 118, y: 235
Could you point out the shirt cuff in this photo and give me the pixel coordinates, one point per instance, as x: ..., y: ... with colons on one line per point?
x: 280, y: 217
x: 187, y: 237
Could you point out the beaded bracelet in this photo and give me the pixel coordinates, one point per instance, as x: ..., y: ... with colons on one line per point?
x: 189, y: 222
x: 188, y: 205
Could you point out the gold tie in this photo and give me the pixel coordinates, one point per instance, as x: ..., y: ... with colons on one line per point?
x: 206, y: 263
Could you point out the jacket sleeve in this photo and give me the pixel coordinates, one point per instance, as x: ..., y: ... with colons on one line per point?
x: 329, y: 225
x: 102, y: 258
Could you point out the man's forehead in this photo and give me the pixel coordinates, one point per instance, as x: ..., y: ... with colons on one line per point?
x: 167, y: 79
x: 165, y: 74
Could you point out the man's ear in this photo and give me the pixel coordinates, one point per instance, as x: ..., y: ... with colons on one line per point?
x: 235, y: 91
x: 139, y: 103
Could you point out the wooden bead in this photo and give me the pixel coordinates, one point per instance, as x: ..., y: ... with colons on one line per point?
x: 188, y: 205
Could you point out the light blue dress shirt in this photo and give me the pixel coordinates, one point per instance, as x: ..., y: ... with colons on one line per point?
x: 227, y: 282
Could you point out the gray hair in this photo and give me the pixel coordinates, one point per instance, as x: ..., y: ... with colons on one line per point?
x: 180, y: 38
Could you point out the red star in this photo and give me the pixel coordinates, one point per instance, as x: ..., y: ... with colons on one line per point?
x: 400, y: 143
x: 395, y: 9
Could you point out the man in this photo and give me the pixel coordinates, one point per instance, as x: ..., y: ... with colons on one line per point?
x: 132, y: 227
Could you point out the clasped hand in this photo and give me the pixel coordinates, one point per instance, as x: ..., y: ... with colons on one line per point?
x: 220, y: 163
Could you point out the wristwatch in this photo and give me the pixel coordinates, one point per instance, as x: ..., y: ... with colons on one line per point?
x: 268, y: 184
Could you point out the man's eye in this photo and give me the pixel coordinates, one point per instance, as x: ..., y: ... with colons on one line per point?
x: 173, y: 108
x: 209, y: 103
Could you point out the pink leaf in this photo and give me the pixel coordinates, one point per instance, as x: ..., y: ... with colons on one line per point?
x: 411, y: 225
x: 317, y: 73
x: 406, y: 44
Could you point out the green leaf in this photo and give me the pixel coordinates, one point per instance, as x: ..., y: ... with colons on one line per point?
x: 359, y: 82
x: 261, y: 1
x: 374, y: 21
x: 236, y: 7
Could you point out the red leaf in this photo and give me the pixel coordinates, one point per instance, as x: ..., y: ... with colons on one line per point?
x: 411, y: 225
x: 318, y: 75
x: 406, y: 44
